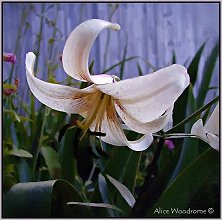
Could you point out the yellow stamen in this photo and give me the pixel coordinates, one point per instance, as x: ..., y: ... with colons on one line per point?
x: 99, y: 116
x: 96, y: 114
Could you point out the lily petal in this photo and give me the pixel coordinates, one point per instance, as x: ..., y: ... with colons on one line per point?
x: 148, y: 127
x: 212, y: 124
x: 213, y: 141
x: 58, y: 97
x: 77, y: 49
x: 198, y: 130
x: 115, y: 135
x: 145, y: 98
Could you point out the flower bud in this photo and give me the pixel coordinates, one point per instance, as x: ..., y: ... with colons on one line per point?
x: 169, y: 144
x: 9, y: 57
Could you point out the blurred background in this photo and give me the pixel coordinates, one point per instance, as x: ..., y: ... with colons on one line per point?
x: 150, y: 34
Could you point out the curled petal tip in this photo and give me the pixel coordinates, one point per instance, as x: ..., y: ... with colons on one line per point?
x: 30, y: 61
x: 116, y: 27
x: 77, y: 48
x: 183, y: 70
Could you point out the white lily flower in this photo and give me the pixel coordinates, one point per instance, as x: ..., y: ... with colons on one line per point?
x: 144, y: 103
x: 210, y: 131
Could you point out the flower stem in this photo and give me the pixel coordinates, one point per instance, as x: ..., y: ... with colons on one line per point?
x: 179, y: 135
x: 26, y: 12
x: 39, y: 145
x: 39, y: 38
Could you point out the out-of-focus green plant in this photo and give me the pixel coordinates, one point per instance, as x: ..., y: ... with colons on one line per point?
x: 87, y: 178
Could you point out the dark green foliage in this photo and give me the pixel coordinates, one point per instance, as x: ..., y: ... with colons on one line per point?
x: 207, y: 74
x: 193, y: 67
x: 43, y: 200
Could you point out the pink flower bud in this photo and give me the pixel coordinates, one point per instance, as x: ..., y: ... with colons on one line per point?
x: 11, y: 91
x: 8, y: 92
x: 169, y: 144
x: 9, y: 57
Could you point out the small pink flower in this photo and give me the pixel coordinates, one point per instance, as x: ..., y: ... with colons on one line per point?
x: 11, y: 91
x: 8, y: 92
x: 169, y: 144
x: 9, y: 57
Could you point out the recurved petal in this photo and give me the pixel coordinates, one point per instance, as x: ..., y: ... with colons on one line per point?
x: 77, y: 49
x: 115, y: 135
x: 198, y: 130
x: 213, y: 141
x: 147, y: 127
x: 58, y: 97
x: 146, y: 98
x: 212, y: 124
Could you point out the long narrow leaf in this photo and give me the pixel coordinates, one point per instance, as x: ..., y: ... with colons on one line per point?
x: 43, y: 199
x: 179, y: 193
x: 120, y: 63
x: 151, y: 193
x: 19, y: 153
x: 124, y: 191
x: 96, y: 205
x: 207, y: 75
x: 103, y: 188
x: 194, y: 65
x: 123, y: 63
x: 51, y: 159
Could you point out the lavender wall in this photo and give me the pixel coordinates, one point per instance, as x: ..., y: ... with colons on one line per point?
x: 150, y: 30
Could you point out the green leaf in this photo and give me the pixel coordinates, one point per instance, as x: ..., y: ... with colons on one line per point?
x: 104, y: 190
x: 151, y: 193
x: 129, y: 179
x: 66, y: 152
x: 213, y: 87
x: 36, y: 133
x: 207, y: 75
x: 25, y: 174
x: 140, y: 73
x: 182, y: 189
x: 91, y: 66
x: 189, y: 146
x: 120, y: 63
x: 13, y: 113
x: 115, y: 167
x: 98, y: 205
x: 63, y: 131
x: 193, y: 67
x: 123, y: 62
x: 174, y: 58
x: 181, y: 106
x: 22, y: 136
x: 43, y: 199
x: 17, y: 117
x: 195, y: 114
x: 9, y: 86
x: 203, y: 200
x: 51, y: 159
x: 19, y: 153
x: 123, y: 190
